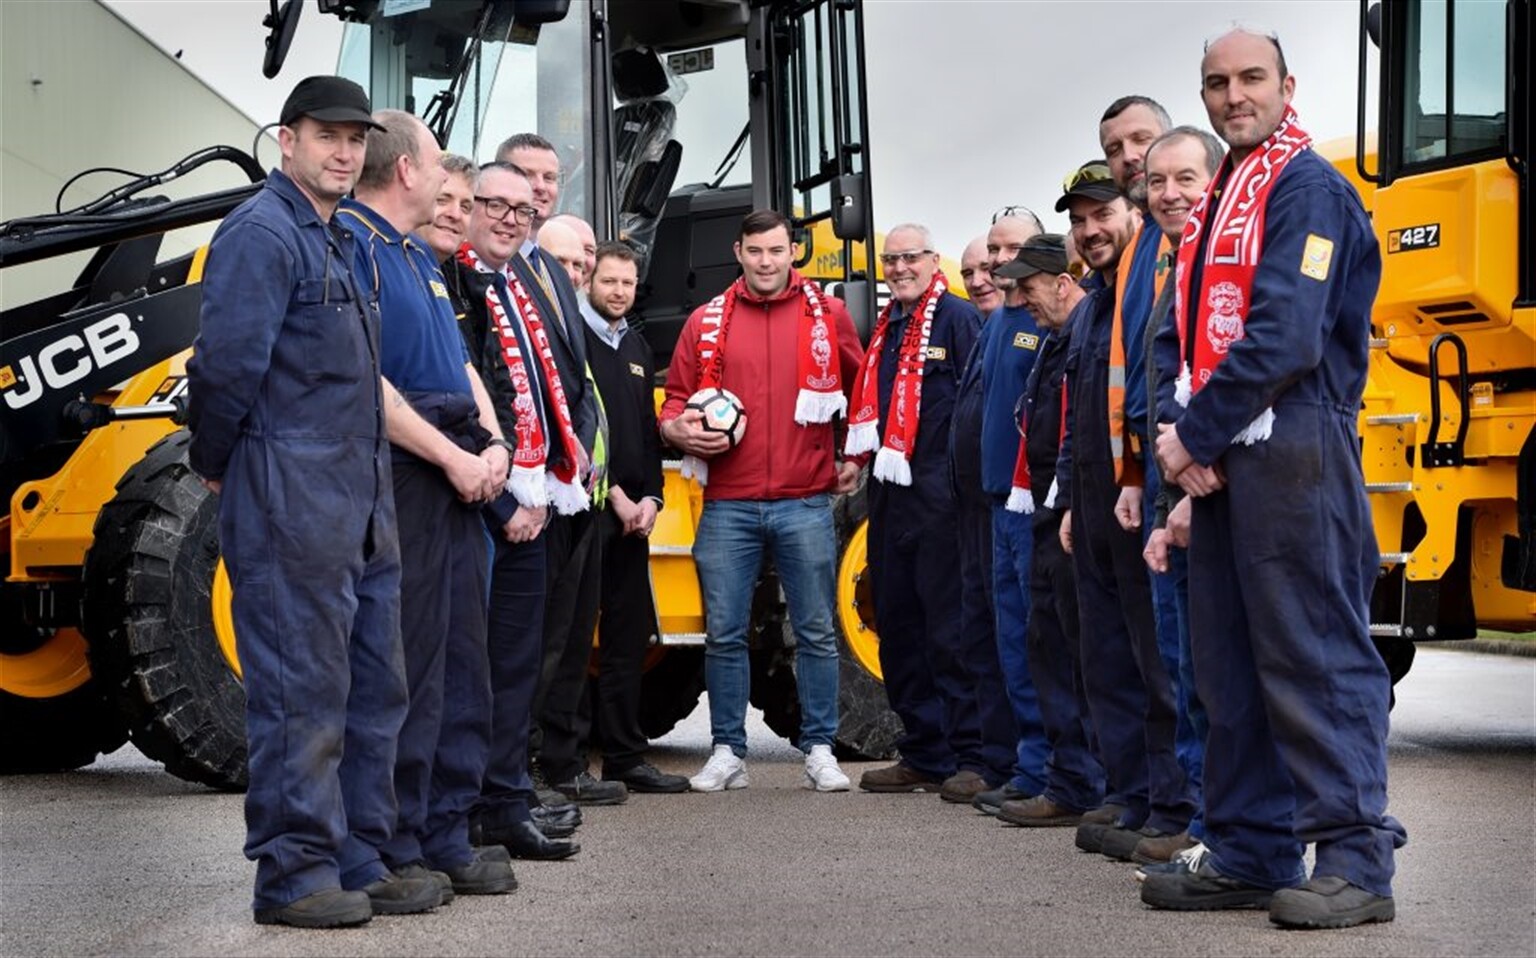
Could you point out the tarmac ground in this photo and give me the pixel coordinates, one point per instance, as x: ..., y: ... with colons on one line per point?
x: 122, y: 858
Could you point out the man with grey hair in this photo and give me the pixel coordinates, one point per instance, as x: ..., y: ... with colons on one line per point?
x: 447, y: 458
x: 902, y: 406
x: 1179, y: 165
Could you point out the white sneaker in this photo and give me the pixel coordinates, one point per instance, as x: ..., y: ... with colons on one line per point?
x: 723, y: 770
x: 821, y: 771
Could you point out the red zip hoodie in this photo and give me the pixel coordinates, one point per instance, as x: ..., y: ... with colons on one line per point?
x: 777, y: 458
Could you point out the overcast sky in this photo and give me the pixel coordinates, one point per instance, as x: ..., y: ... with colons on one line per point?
x: 974, y: 104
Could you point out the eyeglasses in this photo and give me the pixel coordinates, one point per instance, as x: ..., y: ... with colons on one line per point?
x: 909, y: 258
x: 1022, y: 212
x: 497, y: 209
x: 1087, y: 173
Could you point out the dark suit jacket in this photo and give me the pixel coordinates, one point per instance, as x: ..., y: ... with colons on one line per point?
x: 567, y: 341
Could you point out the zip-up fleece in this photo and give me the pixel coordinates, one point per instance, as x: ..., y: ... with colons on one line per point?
x: 777, y: 458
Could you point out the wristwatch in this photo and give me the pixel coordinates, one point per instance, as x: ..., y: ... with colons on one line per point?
x: 498, y: 441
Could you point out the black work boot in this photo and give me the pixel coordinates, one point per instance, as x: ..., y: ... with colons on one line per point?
x: 1203, y: 889
x: 397, y: 895
x: 1329, y: 902
x: 329, y: 908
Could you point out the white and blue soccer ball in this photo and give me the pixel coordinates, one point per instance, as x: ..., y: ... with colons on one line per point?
x: 723, y: 412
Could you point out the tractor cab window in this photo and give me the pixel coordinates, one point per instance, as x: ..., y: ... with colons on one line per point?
x: 1454, y: 82
x: 518, y: 79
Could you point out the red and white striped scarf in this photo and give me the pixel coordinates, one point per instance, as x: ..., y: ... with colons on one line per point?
x: 532, y: 480
x: 817, y: 368
x: 1231, y: 259
x: 892, y: 462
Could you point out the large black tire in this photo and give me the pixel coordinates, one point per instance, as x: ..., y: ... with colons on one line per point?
x: 59, y: 733
x: 670, y: 690
x: 149, y: 620
x: 867, y: 729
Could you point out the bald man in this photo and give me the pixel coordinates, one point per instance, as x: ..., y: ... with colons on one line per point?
x: 1006, y: 354
x: 558, y: 240
x: 976, y: 276
x: 584, y: 232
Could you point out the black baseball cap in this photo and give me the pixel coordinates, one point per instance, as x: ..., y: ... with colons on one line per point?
x: 1045, y: 253
x: 1091, y: 180
x: 330, y: 99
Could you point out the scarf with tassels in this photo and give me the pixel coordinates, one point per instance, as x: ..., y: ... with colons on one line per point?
x: 531, y: 480
x: 892, y: 462
x: 1021, y: 497
x: 1231, y: 259
x: 817, y: 366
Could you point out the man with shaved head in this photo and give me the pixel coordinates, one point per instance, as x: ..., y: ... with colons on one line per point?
x: 1007, y: 351
x: 1260, y: 379
x: 563, y: 244
x: 583, y: 231
x: 976, y: 276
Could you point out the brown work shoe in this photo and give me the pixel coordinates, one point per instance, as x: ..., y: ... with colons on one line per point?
x: 961, y: 787
x: 1038, y: 812
x: 897, y: 778
x: 1161, y: 848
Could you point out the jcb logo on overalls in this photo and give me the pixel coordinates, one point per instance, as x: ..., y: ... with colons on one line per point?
x: 69, y: 359
x: 1025, y: 340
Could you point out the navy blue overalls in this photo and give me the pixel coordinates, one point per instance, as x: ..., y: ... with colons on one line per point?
x: 286, y: 410
x: 914, y: 553
x: 442, y: 543
x: 1130, y: 693
x: 1009, y: 344
x: 995, y: 757
x: 1283, y: 559
x: 1074, y: 777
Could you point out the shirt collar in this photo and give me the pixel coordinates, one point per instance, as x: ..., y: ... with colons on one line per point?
x: 612, y: 335
x: 370, y: 219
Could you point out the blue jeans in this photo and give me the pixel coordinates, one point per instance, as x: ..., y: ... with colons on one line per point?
x: 1013, y: 546
x: 801, y: 538
x: 1170, y: 597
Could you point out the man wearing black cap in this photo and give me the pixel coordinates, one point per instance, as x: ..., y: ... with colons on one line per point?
x: 287, y: 419
x: 1130, y: 693
x: 1074, y: 778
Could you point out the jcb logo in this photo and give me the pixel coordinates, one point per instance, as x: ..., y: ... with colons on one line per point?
x: 69, y: 359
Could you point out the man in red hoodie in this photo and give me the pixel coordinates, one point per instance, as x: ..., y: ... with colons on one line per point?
x: 790, y: 353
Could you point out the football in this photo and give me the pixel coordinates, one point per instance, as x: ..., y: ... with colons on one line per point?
x: 723, y: 413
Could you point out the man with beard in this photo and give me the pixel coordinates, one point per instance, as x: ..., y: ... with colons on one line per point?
x: 1074, y: 777
x: 902, y: 412
x: 504, y: 332
x: 789, y: 352
x: 624, y: 371
x: 1129, y: 691
x: 1276, y: 275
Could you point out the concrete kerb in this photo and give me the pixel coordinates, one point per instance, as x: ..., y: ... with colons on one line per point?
x: 1486, y: 646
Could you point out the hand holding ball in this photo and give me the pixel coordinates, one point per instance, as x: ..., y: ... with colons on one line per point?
x: 722, y: 414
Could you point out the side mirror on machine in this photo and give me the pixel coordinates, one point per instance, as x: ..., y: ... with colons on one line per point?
x: 849, y: 215
x: 281, y: 24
